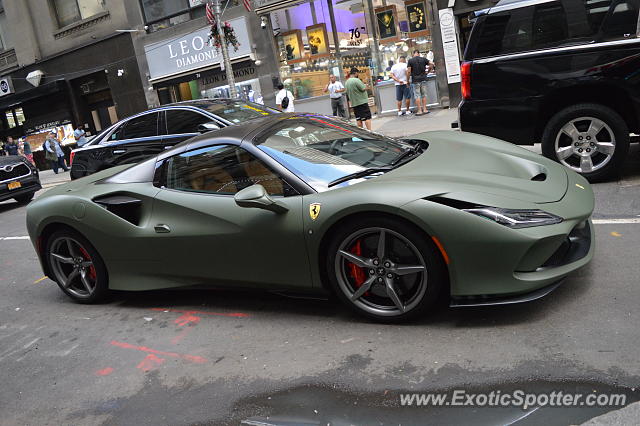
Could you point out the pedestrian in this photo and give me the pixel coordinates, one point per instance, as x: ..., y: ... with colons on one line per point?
x: 26, y: 150
x: 11, y: 146
x: 54, y: 153
x: 357, y: 93
x: 417, y: 69
x: 403, y: 90
x: 336, y: 90
x: 80, y: 136
x: 284, y: 99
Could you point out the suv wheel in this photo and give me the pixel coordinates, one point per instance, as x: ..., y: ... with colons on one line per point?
x: 590, y: 139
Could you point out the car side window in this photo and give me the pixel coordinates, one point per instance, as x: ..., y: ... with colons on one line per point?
x: 621, y: 21
x: 181, y: 121
x: 222, y: 169
x: 140, y: 127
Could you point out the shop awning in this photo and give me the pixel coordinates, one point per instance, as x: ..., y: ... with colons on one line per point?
x: 265, y: 6
x: 15, y: 99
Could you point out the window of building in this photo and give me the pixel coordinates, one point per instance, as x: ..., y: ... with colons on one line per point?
x: 161, y: 14
x: 70, y: 11
x: 11, y: 119
x: 223, y: 170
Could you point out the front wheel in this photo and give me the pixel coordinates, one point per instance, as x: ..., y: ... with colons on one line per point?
x: 77, y: 267
x: 24, y: 199
x: 590, y: 139
x: 385, y: 269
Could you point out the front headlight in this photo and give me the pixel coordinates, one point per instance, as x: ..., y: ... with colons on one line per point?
x: 516, y: 218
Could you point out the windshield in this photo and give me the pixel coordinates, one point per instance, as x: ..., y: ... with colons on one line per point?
x: 320, y: 150
x: 236, y: 111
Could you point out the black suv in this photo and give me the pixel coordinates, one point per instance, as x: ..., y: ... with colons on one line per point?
x: 565, y: 73
x: 19, y: 179
x: 149, y: 133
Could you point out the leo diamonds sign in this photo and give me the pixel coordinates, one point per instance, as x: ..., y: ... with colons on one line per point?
x: 192, y: 52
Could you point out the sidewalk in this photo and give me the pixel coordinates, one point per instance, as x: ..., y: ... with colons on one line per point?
x: 437, y: 119
x: 48, y: 179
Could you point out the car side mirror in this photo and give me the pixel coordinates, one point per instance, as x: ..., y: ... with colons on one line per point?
x: 256, y: 196
x: 207, y: 127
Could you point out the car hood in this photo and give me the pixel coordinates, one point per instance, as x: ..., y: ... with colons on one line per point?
x: 9, y: 159
x: 466, y: 162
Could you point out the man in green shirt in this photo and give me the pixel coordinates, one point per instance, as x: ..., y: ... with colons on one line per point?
x: 357, y: 92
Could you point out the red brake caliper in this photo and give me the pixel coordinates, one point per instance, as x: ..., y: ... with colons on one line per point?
x: 357, y: 273
x: 92, y: 269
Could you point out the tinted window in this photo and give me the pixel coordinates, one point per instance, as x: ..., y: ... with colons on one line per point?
x: 553, y: 24
x: 621, y: 21
x: 139, y: 127
x: 221, y: 170
x: 183, y: 121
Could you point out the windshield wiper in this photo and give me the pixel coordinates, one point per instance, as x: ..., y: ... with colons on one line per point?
x: 359, y: 174
x: 406, y: 153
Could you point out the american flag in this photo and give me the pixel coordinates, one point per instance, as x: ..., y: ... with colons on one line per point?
x: 247, y: 5
x: 211, y: 18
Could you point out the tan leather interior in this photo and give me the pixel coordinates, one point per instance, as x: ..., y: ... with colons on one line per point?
x: 258, y: 173
x: 212, y: 179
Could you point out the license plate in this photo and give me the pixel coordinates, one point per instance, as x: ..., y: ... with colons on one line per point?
x: 14, y: 185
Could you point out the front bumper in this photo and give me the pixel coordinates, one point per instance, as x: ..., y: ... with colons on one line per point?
x: 28, y: 185
x: 489, y: 260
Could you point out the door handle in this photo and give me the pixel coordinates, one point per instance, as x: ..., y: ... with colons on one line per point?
x: 161, y: 228
x: 168, y: 147
x: 119, y: 151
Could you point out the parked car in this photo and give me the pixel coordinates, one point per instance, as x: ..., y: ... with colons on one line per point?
x: 565, y: 73
x: 19, y: 179
x: 149, y: 133
x: 307, y: 202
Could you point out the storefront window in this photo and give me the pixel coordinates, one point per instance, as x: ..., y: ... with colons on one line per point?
x: 19, y: 116
x: 11, y: 121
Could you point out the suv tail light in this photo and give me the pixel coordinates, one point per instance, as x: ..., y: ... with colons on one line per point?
x: 73, y: 154
x: 465, y: 71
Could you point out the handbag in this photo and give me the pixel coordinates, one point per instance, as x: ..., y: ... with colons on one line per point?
x: 51, y: 156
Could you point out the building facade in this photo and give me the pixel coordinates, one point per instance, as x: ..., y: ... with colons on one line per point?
x: 66, y: 63
x: 177, y: 62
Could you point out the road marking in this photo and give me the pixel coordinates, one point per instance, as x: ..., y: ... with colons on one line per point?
x: 192, y: 358
x: 616, y: 234
x: 615, y: 221
x: 24, y: 237
x: 40, y: 279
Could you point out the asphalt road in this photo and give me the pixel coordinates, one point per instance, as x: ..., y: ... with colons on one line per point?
x: 222, y: 357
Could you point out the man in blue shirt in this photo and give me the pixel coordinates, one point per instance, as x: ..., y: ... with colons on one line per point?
x: 11, y: 146
x: 79, y: 135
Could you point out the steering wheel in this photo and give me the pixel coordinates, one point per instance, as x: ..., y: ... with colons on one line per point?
x: 332, y: 148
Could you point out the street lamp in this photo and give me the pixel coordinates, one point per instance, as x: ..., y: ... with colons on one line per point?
x: 217, y: 12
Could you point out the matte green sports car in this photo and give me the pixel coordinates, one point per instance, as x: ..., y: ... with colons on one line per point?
x: 301, y: 201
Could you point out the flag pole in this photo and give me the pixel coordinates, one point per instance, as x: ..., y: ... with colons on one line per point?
x: 225, y: 51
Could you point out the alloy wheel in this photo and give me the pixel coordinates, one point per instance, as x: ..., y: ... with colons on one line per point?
x: 585, y: 144
x: 381, y: 271
x: 73, y: 267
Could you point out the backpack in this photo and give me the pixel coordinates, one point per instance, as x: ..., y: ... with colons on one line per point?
x: 285, y: 100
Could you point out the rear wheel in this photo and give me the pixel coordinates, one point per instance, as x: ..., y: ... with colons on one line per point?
x: 77, y: 267
x: 590, y: 139
x: 24, y: 199
x: 385, y: 269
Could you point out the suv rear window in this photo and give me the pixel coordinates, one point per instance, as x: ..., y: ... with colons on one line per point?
x: 552, y: 24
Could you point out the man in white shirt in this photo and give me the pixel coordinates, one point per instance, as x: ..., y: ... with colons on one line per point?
x: 281, y: 96
x: 335, y: 89
x: 403, y: 89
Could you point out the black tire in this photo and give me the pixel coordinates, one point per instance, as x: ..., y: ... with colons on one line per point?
x: 434, y: 280
x: 613, y: 166
x: 24, y: 199
x: 99, y: 274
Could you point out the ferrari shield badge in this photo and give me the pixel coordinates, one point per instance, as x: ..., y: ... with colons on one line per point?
x: 314, y: 210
